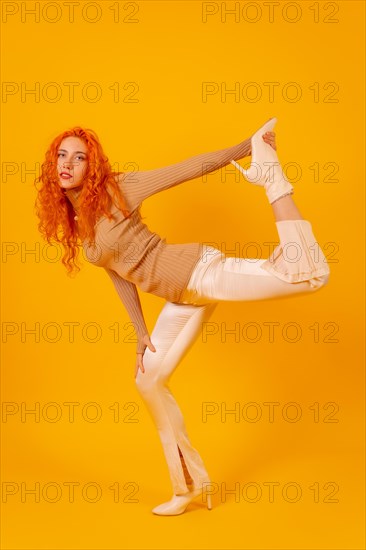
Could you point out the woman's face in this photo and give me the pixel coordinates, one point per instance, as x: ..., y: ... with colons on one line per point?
x: 72, y: 161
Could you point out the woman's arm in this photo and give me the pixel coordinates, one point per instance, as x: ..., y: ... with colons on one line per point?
x: 127, y: 291
x: 137, y: 186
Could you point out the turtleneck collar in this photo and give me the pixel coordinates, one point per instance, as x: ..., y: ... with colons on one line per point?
x: 73, y: 195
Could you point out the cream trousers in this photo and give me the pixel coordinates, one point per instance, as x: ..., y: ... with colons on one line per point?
x: 296, y: 266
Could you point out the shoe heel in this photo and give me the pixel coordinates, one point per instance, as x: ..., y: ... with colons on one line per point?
x: 252, y: 174
x: 240, y: 168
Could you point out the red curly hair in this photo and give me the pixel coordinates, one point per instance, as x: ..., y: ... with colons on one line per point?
x: 55, y: 210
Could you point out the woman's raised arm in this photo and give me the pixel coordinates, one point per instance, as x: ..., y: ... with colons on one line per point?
x: 138, y: 186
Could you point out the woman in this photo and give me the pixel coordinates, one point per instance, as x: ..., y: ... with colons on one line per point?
x: 82, y: 196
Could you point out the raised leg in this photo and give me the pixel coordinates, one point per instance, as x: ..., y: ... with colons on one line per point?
x: 296, y: 266
x: 298, y: 259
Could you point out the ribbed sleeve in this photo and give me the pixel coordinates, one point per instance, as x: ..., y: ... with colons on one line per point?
x: 138, y: 186
x: 127, y: 291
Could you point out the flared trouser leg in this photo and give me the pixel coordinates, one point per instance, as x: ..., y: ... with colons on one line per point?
x: 175, y: 331
x: 298, y: 260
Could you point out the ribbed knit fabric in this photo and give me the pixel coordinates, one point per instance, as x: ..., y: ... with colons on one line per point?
x: 133, y: 255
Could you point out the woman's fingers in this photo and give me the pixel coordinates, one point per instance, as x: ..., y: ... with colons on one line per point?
x: 147, y: 341
x: 151, y: 346
x: 139, y: 356
x: 139, y: 364
x: 269, y: 137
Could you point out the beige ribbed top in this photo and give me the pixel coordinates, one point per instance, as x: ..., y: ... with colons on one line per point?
x: 133, y: 255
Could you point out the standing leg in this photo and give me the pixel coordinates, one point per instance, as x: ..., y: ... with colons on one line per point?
x: 175, y: 331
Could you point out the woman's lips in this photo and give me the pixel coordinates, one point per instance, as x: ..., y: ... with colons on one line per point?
x: 65, y: 176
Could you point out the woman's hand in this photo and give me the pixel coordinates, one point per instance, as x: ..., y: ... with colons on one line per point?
x: 270, y: 138
x: 139, y: 363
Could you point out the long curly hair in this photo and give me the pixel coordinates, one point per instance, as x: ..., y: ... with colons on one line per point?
x: 54, y: 209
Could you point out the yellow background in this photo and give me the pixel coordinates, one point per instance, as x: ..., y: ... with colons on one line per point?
x: 170, y: 52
